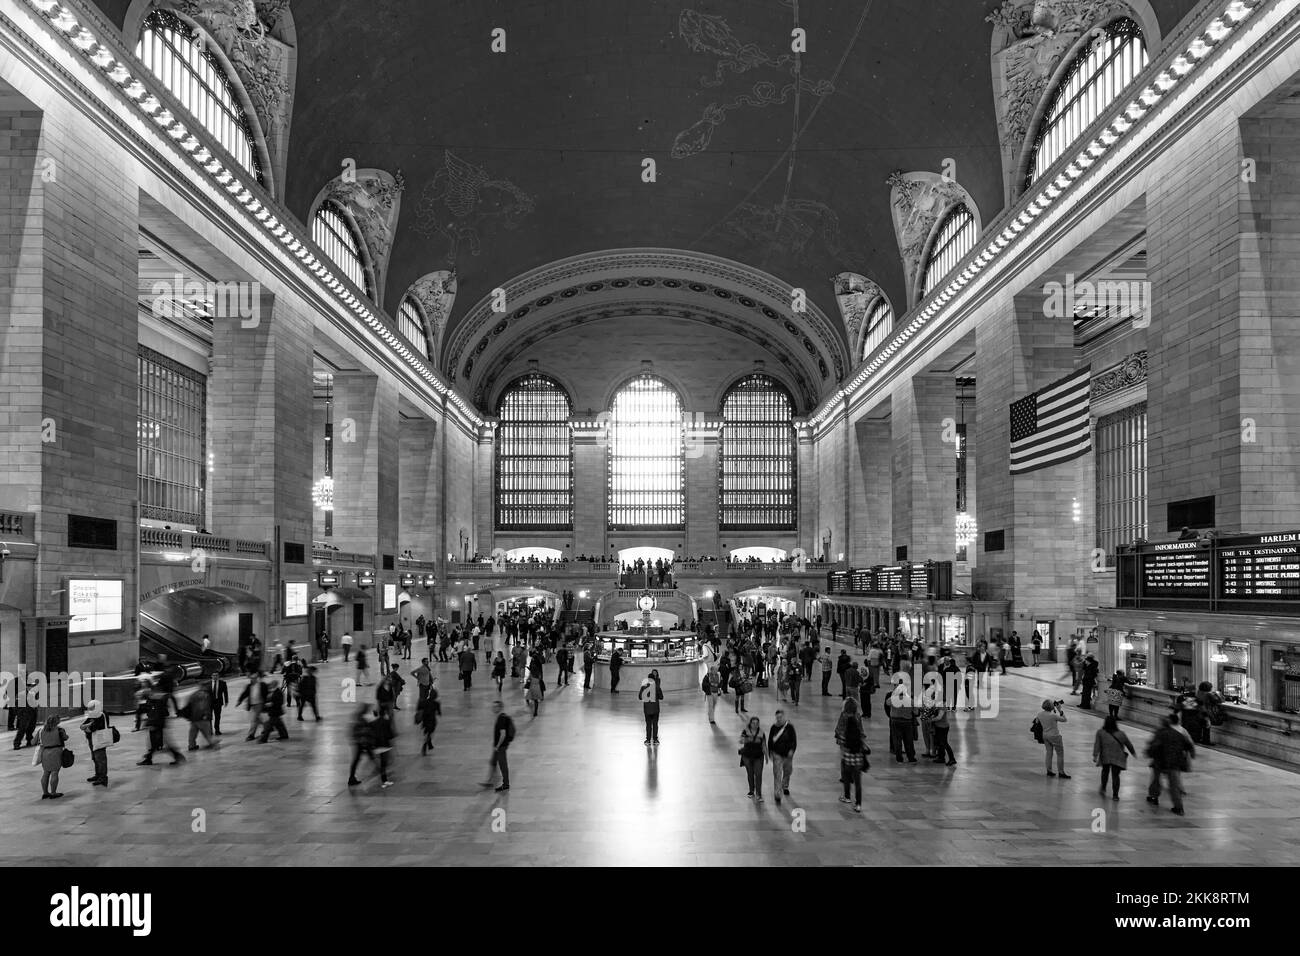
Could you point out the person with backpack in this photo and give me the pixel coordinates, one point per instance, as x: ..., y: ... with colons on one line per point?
x: 711, y: 685
x: 650, y: 694
x: 503, y: 733
x: 1047, y: 731
x: 851, y: 738
x: 1110, y: 749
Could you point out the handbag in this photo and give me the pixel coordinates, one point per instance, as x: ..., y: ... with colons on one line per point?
x: 67, y: 758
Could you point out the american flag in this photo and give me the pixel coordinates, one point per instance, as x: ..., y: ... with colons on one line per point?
x: 1051, y: 425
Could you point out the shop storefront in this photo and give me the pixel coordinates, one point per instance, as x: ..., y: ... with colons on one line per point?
x: 1230, y: 671
x: 1176, y: 662
x: 1134, y: 657
x: 1284, y: 675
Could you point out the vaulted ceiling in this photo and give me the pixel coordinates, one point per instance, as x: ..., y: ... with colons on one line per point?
x: 512, y: 161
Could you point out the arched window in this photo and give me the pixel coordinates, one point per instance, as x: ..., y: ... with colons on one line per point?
x: 534, y: 457
x: 174, y: 51
x: 647, y: 457
x: 411, y: 324
x: 756, y: 469
x: 332, y: 232
x: 956, y: 237
x: 1092, y: 83
x: 880, y: 320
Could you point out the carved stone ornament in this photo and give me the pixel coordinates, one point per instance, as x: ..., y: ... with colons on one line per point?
x: 855, y: 294
x: 246, y: 31
x: 436, y: 294
x: 374, y: 201
x: 1128, y: 373
x: 917, y: 202
x: 1030, y: 38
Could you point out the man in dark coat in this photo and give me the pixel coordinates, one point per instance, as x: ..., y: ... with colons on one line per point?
x: 307, y: 692
x: 1170, y: 752
x: 468, y: 661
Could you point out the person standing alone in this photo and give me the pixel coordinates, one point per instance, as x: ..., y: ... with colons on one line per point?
x: 503, y: 732
x: 468, y: 662
x: 1049, y: 722
x: 650, y: 695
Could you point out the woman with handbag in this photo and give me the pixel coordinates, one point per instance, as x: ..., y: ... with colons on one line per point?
x: 853, y: 753
x: 740, y: 683
x: 49, y: 755
x: 100, y: 735
x: 650, y: 695
x: 753, y: 752
x: 1110, y: 751
x: 1115, y: 693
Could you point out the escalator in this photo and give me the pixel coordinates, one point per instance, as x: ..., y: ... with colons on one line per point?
x: 183, y: 654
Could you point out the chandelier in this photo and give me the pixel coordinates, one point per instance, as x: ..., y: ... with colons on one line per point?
x: 966, y: 529
x: 322, y: 494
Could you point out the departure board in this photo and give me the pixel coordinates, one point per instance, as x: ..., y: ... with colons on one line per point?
x: 1231, y: 573
x: 932, y: 578
x: 1267, y: 568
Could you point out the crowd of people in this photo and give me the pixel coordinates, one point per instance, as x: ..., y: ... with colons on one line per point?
x: 753, y: 650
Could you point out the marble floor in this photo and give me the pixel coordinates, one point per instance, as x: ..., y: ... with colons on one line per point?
x: 585, y: 791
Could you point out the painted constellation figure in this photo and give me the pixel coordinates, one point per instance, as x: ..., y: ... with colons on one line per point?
x: 463, y: 200
x: 711, y: 34
x: 792, y: 226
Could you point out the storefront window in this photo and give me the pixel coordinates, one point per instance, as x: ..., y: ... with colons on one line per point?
x: 1230, y: 665
x: 1177, y: 671
x: 952, y: 629
x: 1285, y: 668
x: 1134, y: 656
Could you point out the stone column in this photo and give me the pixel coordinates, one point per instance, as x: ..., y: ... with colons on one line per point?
x: 922, y: 428
x: 420, y: 502
x: 871, y: 493
x: 68, y: 429
x: 366, y: 464
x: 485, y: 491
x: 590, y: 491
x: 702, y: 449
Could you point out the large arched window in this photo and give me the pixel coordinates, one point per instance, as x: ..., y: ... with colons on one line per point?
x: 1096, y: 78
x: 332, y: 232
x: 411, y: 324
x: 880, y: 320
x: 756, y: 470
x: 647, y: 457
x: 955, y: 238
x: 534, y: 457
x: 174, y: 51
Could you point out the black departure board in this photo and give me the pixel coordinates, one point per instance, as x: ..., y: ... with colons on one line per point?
x: 1265, y: 568
x: 931, y: 579
x: 1234, y: 573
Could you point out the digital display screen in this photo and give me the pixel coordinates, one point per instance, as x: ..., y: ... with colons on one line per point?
x: 94, y: 606
x: 1177, y: 573
x: 1268, y: 571
x: 295, y: 598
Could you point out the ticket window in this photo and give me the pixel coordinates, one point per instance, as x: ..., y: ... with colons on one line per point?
x: 1177, y: 655
x: 1285, y: 668
x: 952, y: 629
x: 1135, y: 656
x: 1230, y: 665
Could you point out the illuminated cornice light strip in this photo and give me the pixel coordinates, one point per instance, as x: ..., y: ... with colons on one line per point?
x: 100, y: 55
x: 1032, y: 206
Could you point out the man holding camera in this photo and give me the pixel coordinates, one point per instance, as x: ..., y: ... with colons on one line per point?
x: 1049, y: 721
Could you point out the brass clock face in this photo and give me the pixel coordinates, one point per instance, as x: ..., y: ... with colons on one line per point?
x: 646, y: 603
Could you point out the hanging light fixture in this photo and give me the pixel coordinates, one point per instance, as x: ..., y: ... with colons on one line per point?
x: 322, y: 494
x: 1127, y: 643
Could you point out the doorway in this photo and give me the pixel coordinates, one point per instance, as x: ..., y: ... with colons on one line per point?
x: 358, y: 618
x: 245, y: 629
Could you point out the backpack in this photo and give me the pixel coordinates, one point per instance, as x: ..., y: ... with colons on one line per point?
x: 1036, y: 728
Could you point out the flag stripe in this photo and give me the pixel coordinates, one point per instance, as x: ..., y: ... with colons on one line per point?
x: 1052, y: 425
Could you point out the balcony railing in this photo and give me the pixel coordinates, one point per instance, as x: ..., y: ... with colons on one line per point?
x: 187, y: 541
x: 330, y: 557
x: 599, y: 568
